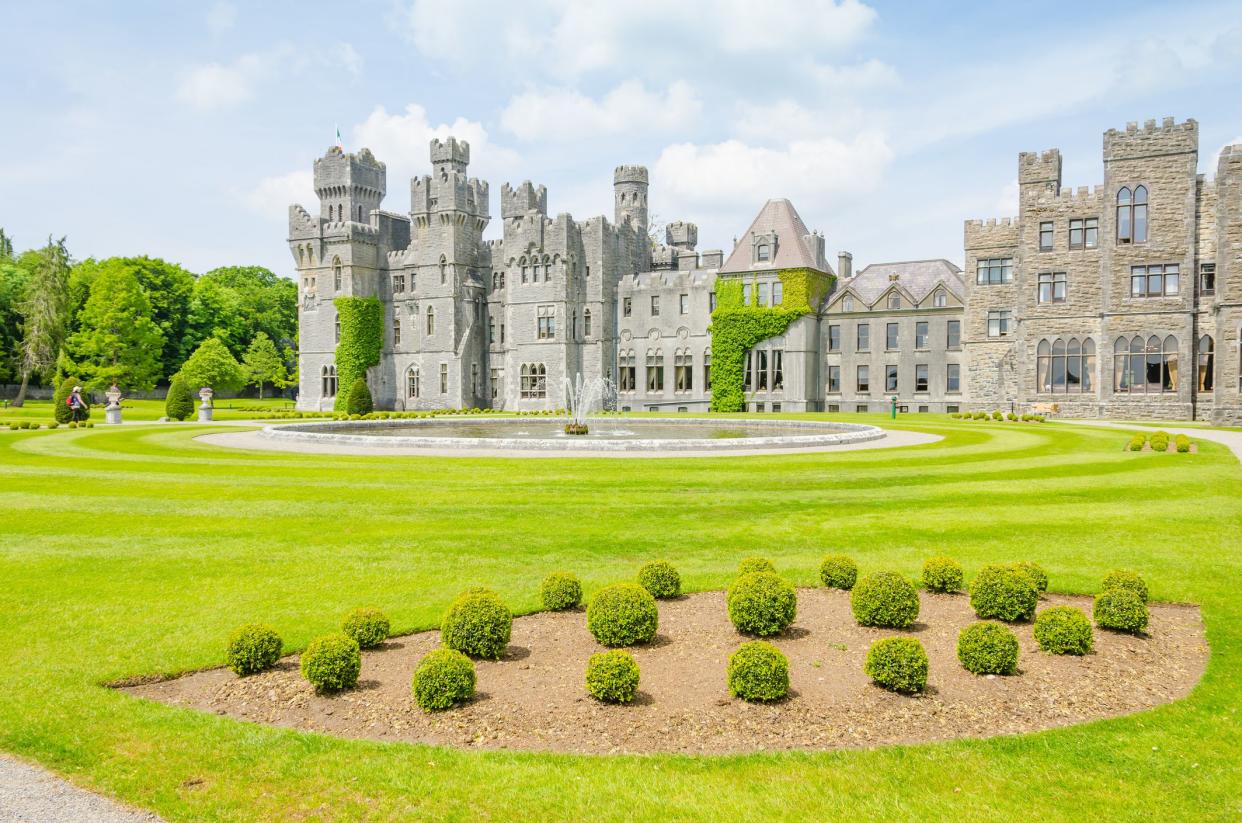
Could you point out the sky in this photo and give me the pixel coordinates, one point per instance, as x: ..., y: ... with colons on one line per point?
x: 184, y: 130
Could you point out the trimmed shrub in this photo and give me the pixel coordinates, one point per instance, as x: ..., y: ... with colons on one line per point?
x: 253, y: 648
x: 612, y: 677
x: 987, y: 647
x: 838, y: 571
x: 884, y: 599
x: 1137, y: 442
x: 60, y: 411
x: 758, y: 672
x: 1036, y: 574
x: 1003, y: 593
x: 1063, y: 630
x: 560, y: 591
x: 332, y: 663
x: 1122, y: 579
x: 622, y: 615
x: 899, y: 664
x: 179, y: 403
x: 1120, y: 610
x: 368, y: 627
x: 942, y: 574
x: 750, y: 565
x: 660, y: 578
x: 1183, y: 443
x: 443, y: 678
x: 1011, y: 417
x: 359, y: 401
x: 998, y: 415
x: 478, y: 624
x: 762, y: 604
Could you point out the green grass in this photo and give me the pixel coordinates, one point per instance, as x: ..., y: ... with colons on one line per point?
x: 147, y: 410
x: 132, y: 551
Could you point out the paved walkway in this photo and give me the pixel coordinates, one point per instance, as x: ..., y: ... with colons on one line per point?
x: 1232, y: 440
x: 28, y: 794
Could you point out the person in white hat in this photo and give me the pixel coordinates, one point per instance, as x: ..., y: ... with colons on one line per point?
x: 77, y: 405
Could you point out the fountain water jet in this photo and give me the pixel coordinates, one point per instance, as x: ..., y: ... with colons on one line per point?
x: 584, y: 397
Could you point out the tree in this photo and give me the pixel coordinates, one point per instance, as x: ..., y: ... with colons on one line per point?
x: 44, y: 311
x: 235, y: 303
x: 6, y: 246
x: 14, y: 280
x: 212, y: 365
x: 116, y: 341
x: 60, y: 409
x: 263, y: 364
x: 359, y: 401
x: 179, y: 404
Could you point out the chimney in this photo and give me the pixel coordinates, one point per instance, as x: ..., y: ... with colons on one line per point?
x: 845, y: 265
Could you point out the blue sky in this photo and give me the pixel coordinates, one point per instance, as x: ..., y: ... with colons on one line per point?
x: 184, y: 130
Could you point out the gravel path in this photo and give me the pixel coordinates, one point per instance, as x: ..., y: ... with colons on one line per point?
x: 28, y: 794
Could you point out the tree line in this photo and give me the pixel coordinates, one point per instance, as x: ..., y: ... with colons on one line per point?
x: 140, y: 321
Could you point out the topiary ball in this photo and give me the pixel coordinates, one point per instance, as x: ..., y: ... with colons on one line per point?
x: 898, y: 664
x: 368, y: 627
x: 660, y: 578
x: 750, y: 565
x: 561, y: 591
x: 758, y: 672
x: 612, y: 676
x: 838, y: 571
x: 443, y: 678
x: 987, y: 647
x: 1063, y: 630
x: 253, y: 648
x: 762, y: 604
x: 1121, y: 610
x: 1037, y: 574
x: 1003, y: 593
x: 622, y: 615
x: 332, y: 663
x: 942, y: 574
x: 477, y: 623
x: 1120, y: 579
x: 884, y: 599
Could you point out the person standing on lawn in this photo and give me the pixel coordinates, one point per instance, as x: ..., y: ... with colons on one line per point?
x: 77, y: 405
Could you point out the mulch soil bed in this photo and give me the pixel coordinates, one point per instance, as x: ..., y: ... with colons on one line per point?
x: 534, y: 698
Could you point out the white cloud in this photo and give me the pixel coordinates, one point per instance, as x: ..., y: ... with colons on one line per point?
x: 273, y: 196
x: 221, y: 17
x: 215, y: 86
x: 401, y: 140
x: 868, y: 76
x: 747, y: 26
x: 565, y: 114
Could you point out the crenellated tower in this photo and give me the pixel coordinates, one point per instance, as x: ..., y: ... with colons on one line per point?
x: 349, y: 186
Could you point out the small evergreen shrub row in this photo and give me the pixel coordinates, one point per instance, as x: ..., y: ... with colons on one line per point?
x: 561, y: 591
x: 1120, y: 610
x: 758, y: 672
x: 1063, y: 630
x: 1003, y: 593
x: 942, y: 574
x: 622, y: 615
x: 660, y: 579
x: 368, y: 627
x: 332, y: 663
x: 443, y: 679
x: 1182, y: 443
x: 252, y: 648
x: 478, y: 624
x: 838, y: 571
x: 612, y: 676
x: 1137, y: 442
x: 898, y: 664
x: 886, y: 600
x: 998, y: 415
x: 987, y: 647
x: 762, y: 604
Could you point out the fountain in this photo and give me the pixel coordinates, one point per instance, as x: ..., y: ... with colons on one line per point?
x: 584, y: 397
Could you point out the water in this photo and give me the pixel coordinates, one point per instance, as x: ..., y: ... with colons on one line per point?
x: 545, y: 429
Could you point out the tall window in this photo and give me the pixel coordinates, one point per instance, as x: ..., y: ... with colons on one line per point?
x: 953, y: 377
x: 545, y: 320
x: 336, y: 273
x: 864, y: 337
x: 1045, y: 236
x: 763, y: 252
x: 586, y: 322
x: 495, y: 375
x: 778, y: 293
x: 328, y: 376
x: 953, y: 335
x: 920, y: 334
x: 711, y: 301
x: 1207, y: 278
x: 834, y: 338
x: 683, y: 371
x: 890, y: 337
x: 1145, y: 366
x: 1155, y: 281
x: 1051, y: 287
x: 1000, y: 323
x: 1084, y: 233
x: 431, y: 320
x: 443, y: 270
x: 761, y: 370
x: 444, y: 378
x: 655, y: 305
x: 491, y: 329
x: 534, y: 383
x: 655, y: 372
x: 745, y: 294
x: 778, y: 369
x: 994, y: 270
x: 862, y: 380
x: 834, y: 379
x: 847, y: 304
x: 707, y: 369
x: 524, y: 269
x: 761, y: 290
x: 398, y: 283
x: 474, y: 379
x: 336, y: 328
x: 1065, y: 367
x: 683, y: 303
x: 412, y: 387
x: 890, y: 378
x: 1207, y: 363
x: 940, y: 299
x: 625, y: 371
x: 920, y: 377
x: 627, y: 307
x: 1132, y: 215
x: 396, y: 331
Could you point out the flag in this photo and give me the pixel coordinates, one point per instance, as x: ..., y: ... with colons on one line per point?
x: 340, y: 144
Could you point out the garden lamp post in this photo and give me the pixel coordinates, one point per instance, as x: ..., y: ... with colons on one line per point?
x: 894, y: 407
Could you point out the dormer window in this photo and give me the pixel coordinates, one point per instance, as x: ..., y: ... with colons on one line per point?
x: 847, y: 304
x: 763, y: 253
x: 939, y: 300
x: 894, y: 301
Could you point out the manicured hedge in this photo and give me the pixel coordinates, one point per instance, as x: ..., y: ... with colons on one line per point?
x: 332, y: 663
x: 758, y: 672
x: 755, y: 564
x: 622, y: 615
x: 560, y: 591
x: 987, y: 647
x: 1003, y: 593
x: 762, y: 604
x: 898, y: 664
x: 1036, y: 573
x: 942, y: 574
x: 1131, y: 581
x: 660, y: 578
x: 253, y: 648
x: 612, y: 676
x: 838, y: 571
x: 368, y: 627
x: 443, y: 678
x: 884, y: 599
x: 478, y: 624
x: 1063, y: 630
x: 1120, y: 610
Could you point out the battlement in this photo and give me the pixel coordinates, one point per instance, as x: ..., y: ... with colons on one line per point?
x: 1040, y: 169
x: 451, y: 191
x: 516, y: 202
x: 301, y: 224
x: 992, y: 223
x: 681, y: 235
x: 992, y: 233
x: 630, y: 174
x: 337, y: 171
x: 1169, y: 137
x: 450, y: 155
x: 1082, y: 194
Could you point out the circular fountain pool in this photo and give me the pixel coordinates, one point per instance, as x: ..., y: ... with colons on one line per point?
x: 607, y: 434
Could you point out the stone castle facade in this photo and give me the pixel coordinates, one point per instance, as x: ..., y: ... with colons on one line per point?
x: 1124, y: 300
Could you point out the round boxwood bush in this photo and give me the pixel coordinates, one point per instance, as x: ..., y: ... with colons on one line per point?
x: 898, y: 664
x: 332, y: 663
x: 561, y: 591
x: 1063, y: 630
x: 660, y: 578
x: 622, y: 615
x: 1120, y: 610
x: 443, y: 678
x: 253, y: 648
x: 987, y: 647
x: 1003, y: 593
x: 750, y: 565
x: 477, y: 623
x: 1130, y: 581
x: 1038, y: 576
x: 758, y: 672
x: 838, y: 571
x: 884, y: 599
x: 612, y: 676
x: 942, y: 574
x: 762, y: 604
x: 368, y: 627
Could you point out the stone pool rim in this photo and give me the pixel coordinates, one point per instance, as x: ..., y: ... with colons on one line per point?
x: 822, y: 434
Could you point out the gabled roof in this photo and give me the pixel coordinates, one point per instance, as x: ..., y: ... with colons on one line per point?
x: 777, y: 217
x: 916, y: 278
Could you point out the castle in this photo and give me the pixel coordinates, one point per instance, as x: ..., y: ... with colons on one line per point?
x: 1124, y: 300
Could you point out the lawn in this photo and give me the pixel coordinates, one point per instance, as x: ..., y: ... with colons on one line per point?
x: 241, y: 408
x: 133, y: 551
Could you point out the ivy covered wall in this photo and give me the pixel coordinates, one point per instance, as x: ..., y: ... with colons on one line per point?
x: 362, y: 337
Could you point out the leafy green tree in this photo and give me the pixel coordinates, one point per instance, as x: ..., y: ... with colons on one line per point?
x: 179, y: 404
x: 14, y: 280
x: 6, y: 246
x: 214, y: 366
x: 116, y: 341
x: 263, y: 364
x: 359, y: 400
x: 44, y: 310
x: 235, y: 303
x: 60, y: 409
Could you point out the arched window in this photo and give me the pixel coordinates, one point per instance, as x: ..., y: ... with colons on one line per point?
x: 763, y: 252
x: 586, y: 323
x: 412, y: 382
x: 1132, y: 215
x: 310, y: 255
x: 847, y: 304
x: 443, y: 270
x: 939, y: 300
x: 707, y: 369
x: 502, y: 280
x: 573, y: 325
x: 626, y: 371
x: 1062, y: 367
x: 894, y: 301
x: 360, y: 214
x: 1145, y: 366
x: 328, y: 378
x: 431, y: 320
x: 547, y: 269
x: 534, y: 383
x: 683, y: 371
x: 336, y: 328
x: 301, y: 255
x: 1140, y: 214
x: 655, y: 372
x: 525, y: 272
x: 1207, y: 363
x: 336, y: 273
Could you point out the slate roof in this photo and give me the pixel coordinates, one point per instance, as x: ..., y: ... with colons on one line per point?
x: 917, y: 278
x: 792, y: 251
